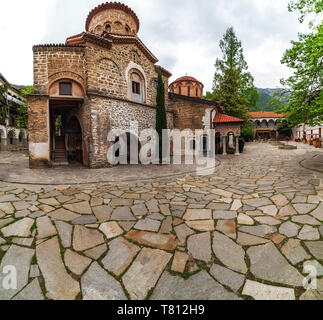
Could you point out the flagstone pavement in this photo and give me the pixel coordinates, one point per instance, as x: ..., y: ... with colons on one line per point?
x: 251, y: 230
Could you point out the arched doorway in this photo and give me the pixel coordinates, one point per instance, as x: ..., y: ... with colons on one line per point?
x: 11, y: 139
x: 21, y: 138
x: 231, y: 143
x: 132, y: 150
x: 74, y: 138
x: 218, y: 144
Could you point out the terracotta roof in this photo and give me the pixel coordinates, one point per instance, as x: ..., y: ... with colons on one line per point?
x: 187, y: 78
x: 223, y: 118
x: 75, y: 40
x: 111, y: 5
x: 265, y: 114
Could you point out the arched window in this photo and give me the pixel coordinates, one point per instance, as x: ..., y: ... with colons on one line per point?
x: 197, y: 92
x: 127, y: 30
x: 179, y: 90
x: 108, y: 28
x: 137, y: 87
x: 189, y: 91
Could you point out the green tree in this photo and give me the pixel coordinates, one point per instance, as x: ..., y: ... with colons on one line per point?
x: 247, y: 133
x: 233, y: 85
x: 161, y: 116
x: 305, y: 8
x: 304, y: 87
x: 4, y: 102
x: 230, y: 96
x: 21, y: 119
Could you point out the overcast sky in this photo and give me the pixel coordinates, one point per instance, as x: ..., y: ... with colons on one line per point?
x: 183, y: 34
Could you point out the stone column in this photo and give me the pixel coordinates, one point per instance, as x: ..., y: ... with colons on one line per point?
x: 39, y: 131
x: 225, y: 145
x: 237, y: 153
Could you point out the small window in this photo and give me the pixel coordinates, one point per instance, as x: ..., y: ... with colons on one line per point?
x: 180, y: 90
x: 65, y: 89
x: 108, y: 28
x: 155, y: 84
x: 197, y: 92
x: 193, y: 144
x: 135, y: 87
x: 189, y: 91
x: 127, y: 30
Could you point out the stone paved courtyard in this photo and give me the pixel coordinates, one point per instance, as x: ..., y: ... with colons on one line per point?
x: 245, y: 232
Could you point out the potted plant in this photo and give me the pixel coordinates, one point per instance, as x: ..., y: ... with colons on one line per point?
x: 317, y: 143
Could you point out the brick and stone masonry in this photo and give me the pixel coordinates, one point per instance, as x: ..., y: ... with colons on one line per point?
x: 99, y: 64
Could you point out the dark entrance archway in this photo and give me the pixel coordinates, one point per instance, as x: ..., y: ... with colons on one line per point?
x: 231, y: 143
x: 133, y: 146
x: 218, y: 144
x: 64, y: 132
x: 74, y: 140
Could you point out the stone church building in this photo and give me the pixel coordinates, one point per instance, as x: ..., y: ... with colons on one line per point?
x: 101, y: 79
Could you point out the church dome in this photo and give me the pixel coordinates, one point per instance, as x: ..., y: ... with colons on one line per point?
x: 187, y: 86
x: 112, y: 17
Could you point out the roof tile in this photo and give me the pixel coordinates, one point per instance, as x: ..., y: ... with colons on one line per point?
x: 223, y: 118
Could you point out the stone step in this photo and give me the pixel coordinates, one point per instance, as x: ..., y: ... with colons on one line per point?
x: 59, y: 163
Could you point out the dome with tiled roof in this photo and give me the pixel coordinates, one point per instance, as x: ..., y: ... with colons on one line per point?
x: 112, y: 17
x: 187, y: 86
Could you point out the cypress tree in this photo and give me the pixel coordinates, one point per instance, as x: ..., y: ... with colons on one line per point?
x: 161, y: 117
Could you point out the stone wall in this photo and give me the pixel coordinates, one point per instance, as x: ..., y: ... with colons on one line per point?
x: 103, y: 72
x: 55, y: 62
x: 117, y: 19
x: 108, y: 71
x: 189, y: 112
x: 107, y: 114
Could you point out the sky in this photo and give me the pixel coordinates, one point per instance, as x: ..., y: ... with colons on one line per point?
x: 183, y: 35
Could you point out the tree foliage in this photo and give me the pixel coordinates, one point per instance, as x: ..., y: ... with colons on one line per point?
x: 21, y: 115
x: 233, y: 85
x: 304, y: 87
x: 4, y: 102
x: 305, y: 8
x: 21, y: 119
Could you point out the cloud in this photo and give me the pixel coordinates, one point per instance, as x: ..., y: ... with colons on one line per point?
x: 184, y: 35
x: 20, y: 27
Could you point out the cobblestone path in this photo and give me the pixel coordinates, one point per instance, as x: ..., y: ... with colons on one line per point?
x: 252, y: 230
